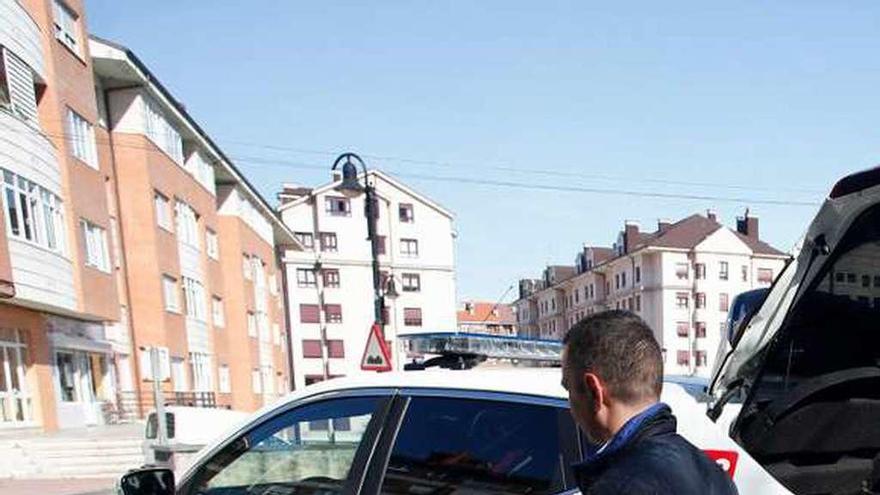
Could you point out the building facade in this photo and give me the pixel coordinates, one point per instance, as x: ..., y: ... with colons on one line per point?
x: 201, y: 277
x: 486, y: 317
x: 679, y: 278
x: 330, y: 284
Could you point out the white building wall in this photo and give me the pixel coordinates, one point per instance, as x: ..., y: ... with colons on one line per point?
x: 434, y: 264
x: 19, y: 33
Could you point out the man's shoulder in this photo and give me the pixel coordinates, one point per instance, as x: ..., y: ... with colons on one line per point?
x: 665, y: 464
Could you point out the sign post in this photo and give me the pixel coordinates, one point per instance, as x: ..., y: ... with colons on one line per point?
x: 377, y: 356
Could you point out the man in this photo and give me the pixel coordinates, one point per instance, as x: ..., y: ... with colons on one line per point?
x: 613, y: 370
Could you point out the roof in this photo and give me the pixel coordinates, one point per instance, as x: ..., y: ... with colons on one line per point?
x: 601, y: 254
x: 482, y: 313
x: 688, y: 232
x: 114, y: 52
x: 384, y: 176
x: 563, y: 272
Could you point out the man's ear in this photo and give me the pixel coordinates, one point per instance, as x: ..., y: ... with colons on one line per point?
x: 594, y: 388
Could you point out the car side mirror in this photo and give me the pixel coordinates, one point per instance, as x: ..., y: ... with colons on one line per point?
x: 147, y: 481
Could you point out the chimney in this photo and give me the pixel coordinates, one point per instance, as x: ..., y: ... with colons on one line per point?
x: 336, y: 175
x: 747, y: 225
x: 291, y: 192
x: 663, y: 225
x: 711, y: 215
x: 630, y: 235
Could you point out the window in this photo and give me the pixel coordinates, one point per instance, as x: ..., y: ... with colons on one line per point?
x: 328, y: 241
x: 700, y: 300
x: 623, y: 279
x: 700, y: 358
x: 212, y: 245
x: 311, y: 348
x: 202, y: 170
x: 333, y: 313
x: 225, y: 385
x: 700, y: 271
x: 638, y: 302
x: 412, y: 317
x: 251, y: 324
x: 307, y: 239
x: 638, y: 274
x: 194, y: 297
x: 745, y: 273
x: 187, y: 224
x: 412, y: 282
x: 850, y: 277
x: 95, y: 241
x: 17, y: 87
x: 681, y: 271
x: 331, y: 278
x: 876, y: 280
x: 336, y: 348
x: 406, y: 213
x: 866, y: 280
x: 178, y: 375
x: 700, y: 330
x: 66, y: 27
x: 765, y: 276
x: 290, y: 451
x: 723, y: 270
x: 682, y: 329
x: 617, y: 281
x: 681, y: 300
x: 256, y: 381
x: 169, y: 293
x: 380, y: 244
x: 683, y: 358
x: 246, y: 267
x: 82, y: 139
x: 409, y: 248
x: 305, y: 277
x: 308, y: 313
x: 33, y: 213
x: 481, y: 446
x: 163, y: 213
x: 161, y: 132
x: 723, y: 302
x: 337, y: 206
x: 217, y: 313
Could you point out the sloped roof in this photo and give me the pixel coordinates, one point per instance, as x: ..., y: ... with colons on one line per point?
x: 482, y: 313
x: 601, y: 254
x: 692, y: 230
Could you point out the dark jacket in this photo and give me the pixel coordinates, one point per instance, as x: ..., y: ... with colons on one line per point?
x: 648, y: 457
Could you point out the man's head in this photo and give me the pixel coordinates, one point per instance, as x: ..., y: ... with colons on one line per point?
x: 612, y: 368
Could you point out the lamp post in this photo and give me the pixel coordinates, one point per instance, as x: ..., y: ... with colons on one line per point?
x: 350, y: 187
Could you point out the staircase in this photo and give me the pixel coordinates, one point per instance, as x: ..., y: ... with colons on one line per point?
x: 103, y: 452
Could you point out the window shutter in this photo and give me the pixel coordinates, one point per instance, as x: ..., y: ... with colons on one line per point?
x: 337, y: 349
x: 308, y: 313
x: 311, y: 348
x: 20, y: 80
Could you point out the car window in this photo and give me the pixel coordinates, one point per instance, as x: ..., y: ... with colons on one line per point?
x: 450, y: 445
x: 307, y: 450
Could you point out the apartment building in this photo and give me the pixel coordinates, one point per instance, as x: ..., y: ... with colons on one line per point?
x: 486, y: 317
x: 330, y: 282
x: 679, y: 278
x: 59, y: 313
x: 201, y: 277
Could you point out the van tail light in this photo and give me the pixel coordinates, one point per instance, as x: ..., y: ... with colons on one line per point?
x: 726, y: 459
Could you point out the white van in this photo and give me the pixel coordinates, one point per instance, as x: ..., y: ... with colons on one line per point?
x: 808, y: 361
x: 188, y: 429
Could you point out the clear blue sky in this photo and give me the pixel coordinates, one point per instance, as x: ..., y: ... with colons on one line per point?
x: 779, y: 96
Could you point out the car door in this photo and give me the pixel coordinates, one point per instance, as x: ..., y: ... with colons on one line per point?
x: 475, y: 442
x: 318, y: 445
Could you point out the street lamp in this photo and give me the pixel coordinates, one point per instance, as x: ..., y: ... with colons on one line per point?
x: 350, y: 187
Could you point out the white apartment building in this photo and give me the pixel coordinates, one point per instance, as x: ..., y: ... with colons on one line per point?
x: 680, y: 279
x: 330, y: 283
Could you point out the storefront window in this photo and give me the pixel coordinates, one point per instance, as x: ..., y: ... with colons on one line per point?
x: 15, y: 402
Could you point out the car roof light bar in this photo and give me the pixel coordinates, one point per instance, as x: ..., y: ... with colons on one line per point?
x: 482, y: 346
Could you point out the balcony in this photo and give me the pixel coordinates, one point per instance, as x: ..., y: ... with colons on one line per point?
x: 21, y: 35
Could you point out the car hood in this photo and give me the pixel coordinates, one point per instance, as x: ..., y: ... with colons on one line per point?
x: 833, y: 220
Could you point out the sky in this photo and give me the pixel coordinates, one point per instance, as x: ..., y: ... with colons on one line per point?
x: 749, y: 104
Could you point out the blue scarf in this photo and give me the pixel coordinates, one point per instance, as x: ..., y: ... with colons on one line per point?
x: 622, y: 437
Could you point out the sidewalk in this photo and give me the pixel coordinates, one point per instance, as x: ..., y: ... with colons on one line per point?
x: 57, y: 487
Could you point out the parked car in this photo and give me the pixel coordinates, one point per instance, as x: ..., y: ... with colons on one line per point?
x: 808, y: 360
x: 486, y: 431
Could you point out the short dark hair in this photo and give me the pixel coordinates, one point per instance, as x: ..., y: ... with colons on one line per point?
x: 620, y: 348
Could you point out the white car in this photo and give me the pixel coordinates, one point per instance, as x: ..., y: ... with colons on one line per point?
x: 433, y: 431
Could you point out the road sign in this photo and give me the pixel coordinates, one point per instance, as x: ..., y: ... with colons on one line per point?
x: 376, y: 357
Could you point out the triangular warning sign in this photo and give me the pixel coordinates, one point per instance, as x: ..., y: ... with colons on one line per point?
x: 377, y: 357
